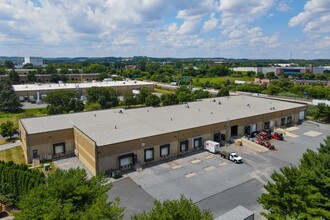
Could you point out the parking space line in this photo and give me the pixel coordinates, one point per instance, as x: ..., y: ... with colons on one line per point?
x: 195, y: 161
x: 223, y: 164
x: 190, y: 175
x: 209, y: 156
x: 209, y: 168
x: 176, y: 167
x: 312, y: 133
x: 292, y: 129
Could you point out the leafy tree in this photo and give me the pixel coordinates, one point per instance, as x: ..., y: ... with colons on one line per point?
x: 303, y: 191
x: 201, y: 94
x: 322, y: 113
x: 9, y: 64
x: 144, y: 93
x: 223, y: 91
x: 3, y: 71
x: 54, y: 77
x: 106, y: 97
x: 27, y: 66
x: 169, y: 99
x: 69, y: 195
x: 185, y: 94
x: 142, y: 64
x: 283, y: 83
x: 274, y: 89
x: 102, y: 76
x: 7, y: 129
x: 129, y: 99
x: 13, y: 77
x: 270, y: 75
x: 50, y: 69
x: 8, y: 99
x: 93, y: 107
x: 260, y: 75
x: 16, y: 180
x: 250, y: 73
x: 152, y: 100
x: 31, y: 77
x: 63, y: 101
x: 181, y: 208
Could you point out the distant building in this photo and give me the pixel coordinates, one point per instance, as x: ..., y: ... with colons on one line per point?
x: 35, y: 61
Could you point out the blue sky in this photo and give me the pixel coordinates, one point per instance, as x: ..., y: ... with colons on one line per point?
x: 166, y: 28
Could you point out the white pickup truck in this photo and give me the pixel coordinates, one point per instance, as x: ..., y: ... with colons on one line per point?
x: 231, y: 156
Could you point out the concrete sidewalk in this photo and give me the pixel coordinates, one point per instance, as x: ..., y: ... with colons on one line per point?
x: 10, y: 145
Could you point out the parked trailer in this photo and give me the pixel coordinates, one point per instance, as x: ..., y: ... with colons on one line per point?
x: 212, y: 146
x: 231, y: 156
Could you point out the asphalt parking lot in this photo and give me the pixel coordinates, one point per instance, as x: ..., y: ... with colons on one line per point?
x: 216, y: 183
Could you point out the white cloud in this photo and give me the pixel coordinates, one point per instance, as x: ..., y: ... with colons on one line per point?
x: 148, y: 27
x: 283, y: 7
x: 316, y: 22
x: 237, y: 17
x: 210, y: 24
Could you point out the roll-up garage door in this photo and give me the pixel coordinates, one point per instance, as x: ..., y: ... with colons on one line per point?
x: 125, y: 161
x: 253, y: 127
x: 59, y: 148
x: 302, y: 115
x: 164, y: 151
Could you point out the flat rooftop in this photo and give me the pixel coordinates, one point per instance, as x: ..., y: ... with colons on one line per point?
x: 54, y: 86
x: 110, y: 126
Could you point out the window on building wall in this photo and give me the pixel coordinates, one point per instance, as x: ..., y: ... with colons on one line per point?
x: 197, y: 142
x: 283, y: 121
x: 149, y: 154
x: 247, y: 129
x: 184, y: 146
x: 59, y: 148
x: 164, y: 150
x: 267, y: 125
x: 289, y: 120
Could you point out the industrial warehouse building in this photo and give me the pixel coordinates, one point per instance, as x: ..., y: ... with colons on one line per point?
x: 121, y: 139
x: 37, y: 91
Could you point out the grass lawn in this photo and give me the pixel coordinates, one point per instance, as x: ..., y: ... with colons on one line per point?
x: 7, y: 141
x: 15, y: 154
x: 162, y: 91
x: 52, y: 168
x: 5, y: 116
x: 221, y: 79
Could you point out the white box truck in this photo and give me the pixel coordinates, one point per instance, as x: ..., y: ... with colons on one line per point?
x: 212, y: 146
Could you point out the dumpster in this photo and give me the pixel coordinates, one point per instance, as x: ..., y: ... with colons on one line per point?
x: 47, y: 166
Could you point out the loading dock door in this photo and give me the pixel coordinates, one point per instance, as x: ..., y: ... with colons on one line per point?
x: 302, y: 115
x: 253, y: 127
x: 216, y: 137
x: 234, y: 130
x: 125, y: 161
x: 59, y: 148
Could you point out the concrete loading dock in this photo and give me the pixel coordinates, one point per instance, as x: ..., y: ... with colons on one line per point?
x: 123, y: 139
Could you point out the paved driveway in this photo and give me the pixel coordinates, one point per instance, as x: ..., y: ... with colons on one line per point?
x: 71, y: 163
x: 220, y: 185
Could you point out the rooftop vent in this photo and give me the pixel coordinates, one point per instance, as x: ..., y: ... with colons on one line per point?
x: 121, y: 111
x: 219, y: 103
x: 248, y: 105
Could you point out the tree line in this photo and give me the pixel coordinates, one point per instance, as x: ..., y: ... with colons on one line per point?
x: 17, y: 180
x: 65, y: 101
